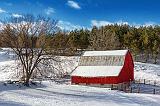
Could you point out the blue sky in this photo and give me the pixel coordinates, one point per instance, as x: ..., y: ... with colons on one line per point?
x: 86, y: 13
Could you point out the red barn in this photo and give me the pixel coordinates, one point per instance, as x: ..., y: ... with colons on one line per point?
x: 104, y: 68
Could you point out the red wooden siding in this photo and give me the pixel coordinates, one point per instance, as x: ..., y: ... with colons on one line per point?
x: 126, y: 75
x: 94, y: 80
x: 127, y: 72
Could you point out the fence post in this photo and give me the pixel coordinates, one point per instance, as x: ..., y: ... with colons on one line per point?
x: 155, y: 83
x: 131, y: 90
x: 134, y: 81
x: 139, y: 90
x: 124, y: 88
x: 118, y: 86
x: 130, y: 82
x: 112, y: 87
x: 154, y: 91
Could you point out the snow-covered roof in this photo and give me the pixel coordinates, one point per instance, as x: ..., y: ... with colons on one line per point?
x: 97, y: 71
x: 105, y: 53
x: 100, y: 63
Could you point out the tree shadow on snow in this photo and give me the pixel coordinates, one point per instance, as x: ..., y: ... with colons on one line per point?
x: 10, y: 103
x: 118, y: 98
x: 18, y: 86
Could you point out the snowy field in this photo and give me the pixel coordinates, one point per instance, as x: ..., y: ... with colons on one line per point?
x: 53, y: 94
x: 147, y: 71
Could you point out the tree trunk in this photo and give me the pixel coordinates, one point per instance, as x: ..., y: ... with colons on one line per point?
x: 26, y: 83
x: 155, y: 59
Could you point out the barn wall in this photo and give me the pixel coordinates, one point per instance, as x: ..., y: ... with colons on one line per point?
x: 127, y: 73
x: 94, y: 80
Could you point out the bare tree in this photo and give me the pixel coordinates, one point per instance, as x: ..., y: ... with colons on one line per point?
x: 27, y: 36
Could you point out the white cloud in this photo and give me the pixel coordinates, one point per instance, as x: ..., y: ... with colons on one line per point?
x: 49, y: 11
x: 103, y: 23
x: 64, y: 25
x: 99, y: 23
x: 73, y: 4
x: 146, y: 24
x: 120, y: 22
x: 150, y: 23
x: 16, y: 15
x: 2, y: 11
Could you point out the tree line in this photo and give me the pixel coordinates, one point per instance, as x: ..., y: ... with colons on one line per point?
x: 142, y: 41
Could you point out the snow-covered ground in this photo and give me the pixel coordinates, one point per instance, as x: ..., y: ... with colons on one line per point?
x: 8, y: 67
x: 53, y: 94
x: 147, y: 71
